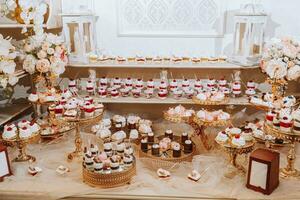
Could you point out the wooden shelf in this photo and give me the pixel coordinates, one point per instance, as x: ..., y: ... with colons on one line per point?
x: 11, y: 111
x: 12, y: 25
x: 163, y: 65
x: 169, y: 100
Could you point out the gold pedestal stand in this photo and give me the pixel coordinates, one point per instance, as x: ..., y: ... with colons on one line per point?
x: 289, y: 171
x: 233, y: 152
x: 81, y: 121
x: 21, y: 144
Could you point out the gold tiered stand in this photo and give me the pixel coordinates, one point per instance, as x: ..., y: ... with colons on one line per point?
x: 21, y: 144
x: 233, y: 152
x: 289, y: 171
x: 81, y: 121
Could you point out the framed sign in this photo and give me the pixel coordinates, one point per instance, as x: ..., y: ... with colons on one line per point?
x: 263, y: 171
x: 4, y: 163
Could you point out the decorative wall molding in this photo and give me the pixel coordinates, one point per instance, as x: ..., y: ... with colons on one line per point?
x: 177, y: 18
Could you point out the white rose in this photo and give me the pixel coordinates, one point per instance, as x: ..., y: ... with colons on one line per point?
x: 293, y: 73
x: 58, y: 68
x: 28, y: 48
x: 43, y: 65
x: 53, y: 59
x: 29, y: 64
x: 50, y: 51
x: 276, y: 69
x: 12, y: 80
x: 41, y: 54
x: 58, y: 49
x: 8, y: 67
x: 45, y: 46
x: 3, y: 82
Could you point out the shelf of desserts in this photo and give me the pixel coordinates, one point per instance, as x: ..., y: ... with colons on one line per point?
x: 159, y: 62
x: 114, y: 166
x: 25, y: 132
x: 167, y: 147
x: 129, y: 90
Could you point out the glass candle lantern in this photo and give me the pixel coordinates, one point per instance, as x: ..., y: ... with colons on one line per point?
x: 80, y: 32
x: 249, y: 30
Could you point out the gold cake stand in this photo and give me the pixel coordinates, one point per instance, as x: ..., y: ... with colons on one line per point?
x: 289, y: 171
x: 233, y: 152
x: 110, y: 180
x: 81, y: 121
x: 21, y: 144
x: 207, y: 102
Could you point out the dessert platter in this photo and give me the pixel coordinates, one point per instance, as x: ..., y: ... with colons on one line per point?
x: 214, y: 118
x: 79, y: 111
x: 288, y: 128
x: 235, y: 142
x: 120, y: 127
x: 179, y: 114
x: 167, y: 147
x: 25, y: 132
x: 114, y: 166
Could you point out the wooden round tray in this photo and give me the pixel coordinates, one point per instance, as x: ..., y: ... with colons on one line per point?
x: 109, y: 180
x: 167, y: 156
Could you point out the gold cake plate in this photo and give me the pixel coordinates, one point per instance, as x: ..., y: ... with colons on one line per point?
x: 289, y: 171
x: 166, y: 159
x: 175, y: 118
x: 21, y: 144
x: 110, y: 180
x: 207, y: 102
x: 214, y: 123
x: 233, y: 151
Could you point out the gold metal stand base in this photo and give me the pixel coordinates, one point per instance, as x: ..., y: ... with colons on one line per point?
x: 22, y: 158
x: 289, y: 174
x: 75, y: 154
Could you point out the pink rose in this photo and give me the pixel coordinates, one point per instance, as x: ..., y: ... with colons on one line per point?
x: 43, y: 65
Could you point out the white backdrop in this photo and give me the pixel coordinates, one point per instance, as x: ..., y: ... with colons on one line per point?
x: 283, y: 20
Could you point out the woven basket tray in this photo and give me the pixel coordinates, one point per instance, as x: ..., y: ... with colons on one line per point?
x: 175, y: 119
x: 109, y: 180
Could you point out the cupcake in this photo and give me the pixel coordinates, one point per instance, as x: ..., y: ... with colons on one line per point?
x: 89, y: 162
x: 124, y: 92
x: 66, y: 94
x: 114, y: 93
x: 34, y: 127
x: 108, y: 148
x: 270, y: 117
x: 90, y: 87
x: 211, y: 83
x: 176, y: 150
x: 238, y: 141
x: 188, y: 146
x: 169, y: 134
x: 189, y: 93
x: 148, y: 93
x: 88, y: 99
x: 163, y: 85
x: 286, y: 124
x: 25, y: 132
x: 155, y: 150
x: 139, y: 84
x: 236, y: 88
x: 9, y: 133
x: 23, y: 123
x: 33, y: 97
x: 89, y: 110
x: 173, y: 85
x: 127, y: 160
x: 98, y: 165
x: 222, y: 137
x: 120, y: 148
x: 103, y: 82
x: 185, y: 84
x: 117, y: 82
x: 150, y: 137
x: 162, y: 94
x: 102, y: 92
x: 94, y: 150
x: 59, y: 109
x: 144, y: 145
x: 150, y: 84
x: 177, y: 93
x: 128, y: 83
x: 222, y: 83
x: 136, y: 92
x: 184, y: 137
x: 114, y: 163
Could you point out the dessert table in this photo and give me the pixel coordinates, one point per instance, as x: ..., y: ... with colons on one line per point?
x: 145, y: 185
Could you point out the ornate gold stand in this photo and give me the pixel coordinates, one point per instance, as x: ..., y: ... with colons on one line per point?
x: 289, y: 171
x: 78, y: 141
x: 21, y: 144
x: 233, y: 152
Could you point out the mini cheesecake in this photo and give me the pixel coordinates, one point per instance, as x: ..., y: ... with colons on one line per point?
x: 222, y: 83
x: 117, y: 82
x: 236, y: 88
x: 103, y: 82
x: 185, y: 83
x: 162, y: 94
x: 163, y: 85
x: 286, y: 124
x: 139, y: 84
x: 102, y: 92
x: 173, y: 85
x: 198, y: 84
x: 114, y: 93
x: 90, y: 87
x: 150, y: 84
x: 128, y: 83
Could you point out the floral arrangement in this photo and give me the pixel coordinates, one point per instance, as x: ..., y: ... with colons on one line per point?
x: 45, y: 56
x: 27, y: 12
x: 7, y: 63
x: 281, y: 59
